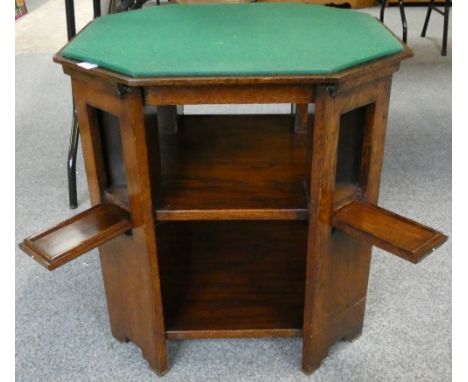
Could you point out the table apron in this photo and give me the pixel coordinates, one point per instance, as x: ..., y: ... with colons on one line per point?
x: 228, y: 94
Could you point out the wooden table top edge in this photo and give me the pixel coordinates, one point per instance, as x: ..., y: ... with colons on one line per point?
x: 70, y: 66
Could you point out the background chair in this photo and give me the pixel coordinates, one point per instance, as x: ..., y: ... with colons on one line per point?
x: 383, y: 4
x: 432, y: 6
x: 446, y: 14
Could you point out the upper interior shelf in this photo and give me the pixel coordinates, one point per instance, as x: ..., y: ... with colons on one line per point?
x: 233, y: 167
x: 232, y: 40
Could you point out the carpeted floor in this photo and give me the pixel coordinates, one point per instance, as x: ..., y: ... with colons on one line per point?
x: 62, y: 331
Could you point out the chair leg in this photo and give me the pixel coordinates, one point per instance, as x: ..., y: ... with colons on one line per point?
x: 446, y: 23
x: 428, y: 16
x: 70, y: 17
x: 403, y: 20
x: 71, y: 163
x: 96, y: 8
x: 383, y: 4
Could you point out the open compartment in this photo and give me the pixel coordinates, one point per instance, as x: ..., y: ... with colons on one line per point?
x: 228, y: 279
x: 232, y: 166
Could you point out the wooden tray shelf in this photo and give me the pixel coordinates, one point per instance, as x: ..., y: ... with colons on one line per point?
x: 396, y: 234
x: 76, y: 236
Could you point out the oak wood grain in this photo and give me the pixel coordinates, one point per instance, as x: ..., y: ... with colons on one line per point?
x: 233, y: 277
x: 75, y: 236
x: 396, y: 234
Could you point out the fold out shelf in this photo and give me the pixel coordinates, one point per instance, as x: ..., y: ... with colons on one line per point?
x: 75, y: 236
x: 391, y: 232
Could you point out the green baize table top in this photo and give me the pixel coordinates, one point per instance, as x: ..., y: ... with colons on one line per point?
x: 257, y: 39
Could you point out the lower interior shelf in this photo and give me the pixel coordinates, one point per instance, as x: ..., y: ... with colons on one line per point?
x: 229, y: 278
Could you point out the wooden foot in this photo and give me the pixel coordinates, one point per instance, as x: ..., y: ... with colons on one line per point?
x: 314, y: 350
x: 160, y: 368
x: 121, y: 338
x: 347, y: 326
x: 353, y: 335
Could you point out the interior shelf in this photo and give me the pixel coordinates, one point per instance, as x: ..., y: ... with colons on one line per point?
x: 233, y: 167
x: 227, y: 167
x: 226, y: 278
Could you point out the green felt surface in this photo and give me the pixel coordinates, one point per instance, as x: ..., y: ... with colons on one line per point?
x: 232, y: 40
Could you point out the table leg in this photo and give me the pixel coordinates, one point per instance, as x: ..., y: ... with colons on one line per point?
x: 129, y: 263
x: 322, y: 179
x: 338, y: 264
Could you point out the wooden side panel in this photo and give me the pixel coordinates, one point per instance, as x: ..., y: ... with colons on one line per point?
x: 129, y: 263
x: 338, y: 265
x: 322, y: 182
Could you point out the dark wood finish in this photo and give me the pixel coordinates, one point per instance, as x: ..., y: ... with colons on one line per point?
x: 168, y: 120
x: 302, y: 118
x: 338, y: 265
x: 233, y: 216
x: 129, y: 263
x: 75, y: 236
x: 224, y: 278
x: 222, y: 94
x: 391, y: 232
x: 207, y: 169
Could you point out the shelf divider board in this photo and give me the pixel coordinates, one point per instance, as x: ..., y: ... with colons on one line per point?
x: 75, y: 236
x: 396, y: 234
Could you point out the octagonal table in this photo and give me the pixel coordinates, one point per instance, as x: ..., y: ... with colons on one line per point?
x: 233, y: 225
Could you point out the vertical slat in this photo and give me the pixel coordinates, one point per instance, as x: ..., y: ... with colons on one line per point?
x: 337, y: 264
x: 136, y: 160
x: 301, y: 118
x: 324, y: 156
x: 374, y: 143
x: 91, y: 144
x: 129, y: 262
